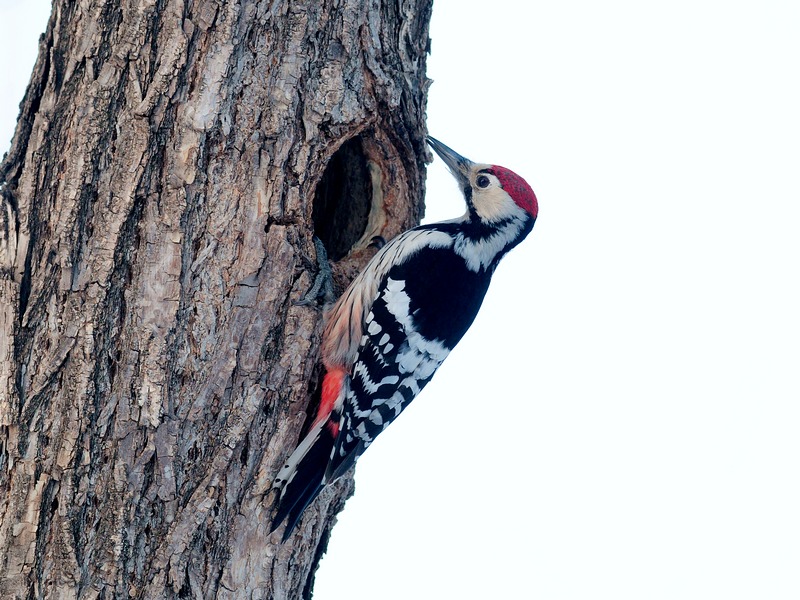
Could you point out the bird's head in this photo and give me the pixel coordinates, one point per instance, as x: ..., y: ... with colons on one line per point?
x: 492, y: 193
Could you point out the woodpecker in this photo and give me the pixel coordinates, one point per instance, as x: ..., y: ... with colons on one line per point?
x: 398, y: 320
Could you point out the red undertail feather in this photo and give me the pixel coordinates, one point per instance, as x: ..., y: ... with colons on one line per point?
x: 331, y: 387
x: 303, y: 475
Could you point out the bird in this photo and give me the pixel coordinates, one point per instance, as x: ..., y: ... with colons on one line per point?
x: 391, y: 329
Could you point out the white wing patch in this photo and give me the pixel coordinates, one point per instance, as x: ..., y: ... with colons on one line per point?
x: 417, y: 357
x: 345, y: 321
x: 398, y: 303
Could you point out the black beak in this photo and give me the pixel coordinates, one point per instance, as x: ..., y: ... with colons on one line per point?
x: 458, y: 165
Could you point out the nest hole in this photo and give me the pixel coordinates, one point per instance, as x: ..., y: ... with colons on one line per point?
x: 342, y: 200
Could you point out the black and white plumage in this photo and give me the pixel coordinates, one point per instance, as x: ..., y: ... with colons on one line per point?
x: 397, y: 322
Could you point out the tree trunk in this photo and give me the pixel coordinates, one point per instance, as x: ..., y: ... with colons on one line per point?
x: 171, y: 163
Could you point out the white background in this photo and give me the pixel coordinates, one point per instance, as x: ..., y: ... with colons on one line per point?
x: 622, y: 421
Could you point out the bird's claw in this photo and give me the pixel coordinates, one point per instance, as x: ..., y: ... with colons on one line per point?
x: 323, y: 280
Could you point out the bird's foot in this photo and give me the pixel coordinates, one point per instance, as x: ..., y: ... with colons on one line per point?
x: 322, y: 288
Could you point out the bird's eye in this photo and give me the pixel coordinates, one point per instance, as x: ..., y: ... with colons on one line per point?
x: 482, y: 181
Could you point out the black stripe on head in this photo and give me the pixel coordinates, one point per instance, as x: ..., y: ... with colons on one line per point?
x: 473, y: 214
x: 468, y: 196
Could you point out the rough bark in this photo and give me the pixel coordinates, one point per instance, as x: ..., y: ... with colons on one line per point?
x: 158, y: 206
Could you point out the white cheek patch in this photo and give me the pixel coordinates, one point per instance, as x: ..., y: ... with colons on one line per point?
x: 493, y: 204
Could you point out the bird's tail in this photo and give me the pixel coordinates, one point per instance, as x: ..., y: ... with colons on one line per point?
x: 302, y: 476
x: 305, y: 474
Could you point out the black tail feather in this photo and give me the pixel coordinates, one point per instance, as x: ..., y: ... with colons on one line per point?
x: 296, y: 511
x: 339, y: 465
x: 305, y: 485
